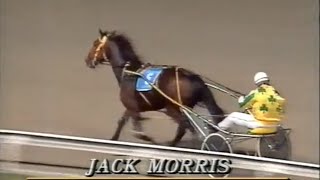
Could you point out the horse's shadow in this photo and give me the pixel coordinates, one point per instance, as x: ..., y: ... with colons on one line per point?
x: 189, y: 143
x: 196, y: 144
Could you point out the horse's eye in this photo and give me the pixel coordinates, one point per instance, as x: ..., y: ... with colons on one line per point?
x: 95, y: 43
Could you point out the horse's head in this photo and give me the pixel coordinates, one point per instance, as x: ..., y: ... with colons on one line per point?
x: 112, y: 48
x: 99, y: 52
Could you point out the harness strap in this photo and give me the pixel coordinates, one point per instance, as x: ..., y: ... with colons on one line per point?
x: 144, y: 66
x: 172, y: 100
x: 145, y: 99
x: 178, y: 86
x: 124, y: 72
x: 143, y: 96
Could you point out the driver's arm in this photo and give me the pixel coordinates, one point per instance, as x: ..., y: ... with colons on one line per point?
x: 248, y: 100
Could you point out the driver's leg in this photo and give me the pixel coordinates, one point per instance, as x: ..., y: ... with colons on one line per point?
x: 241, y: 119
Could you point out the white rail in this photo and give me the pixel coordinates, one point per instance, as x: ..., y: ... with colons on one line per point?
x: 244, y: 162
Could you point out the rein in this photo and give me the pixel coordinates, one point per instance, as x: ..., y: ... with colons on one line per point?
x: 183, y: 108
x: 215, y: 85
x: 124, y: 71
x: 122, y: 66
x: 222, y: 88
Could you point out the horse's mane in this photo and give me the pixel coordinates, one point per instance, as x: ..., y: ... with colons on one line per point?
x: 126, y: 48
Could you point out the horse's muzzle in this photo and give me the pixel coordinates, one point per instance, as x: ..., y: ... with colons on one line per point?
x: 92, y: 66
x: 90, y: 63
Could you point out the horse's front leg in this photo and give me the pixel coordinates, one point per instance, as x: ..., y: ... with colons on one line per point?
x: 181, y: 131
x: 121, y: 122
x: 194, y: 134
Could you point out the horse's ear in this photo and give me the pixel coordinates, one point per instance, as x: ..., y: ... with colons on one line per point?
x: 100, y: 32
x: 112, y: 33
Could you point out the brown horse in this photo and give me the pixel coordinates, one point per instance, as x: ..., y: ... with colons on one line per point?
x: 182, y: 85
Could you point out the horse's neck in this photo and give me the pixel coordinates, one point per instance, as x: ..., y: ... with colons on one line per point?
x: 118, y: 62
x: 118, y: 73
x: 119, y: 70
x: 134, y: 66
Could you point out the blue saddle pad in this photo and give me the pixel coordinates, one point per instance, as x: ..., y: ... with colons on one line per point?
x: 151, y: 75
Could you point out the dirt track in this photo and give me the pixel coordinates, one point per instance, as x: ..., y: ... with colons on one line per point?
x: 45, y: 86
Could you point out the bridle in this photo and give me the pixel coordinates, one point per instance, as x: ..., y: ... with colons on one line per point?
x: 102, y: 42
x: 106, y: 60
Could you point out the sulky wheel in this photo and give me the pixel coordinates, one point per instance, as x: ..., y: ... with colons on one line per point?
x: 218, y: 143
x: 276, y: 146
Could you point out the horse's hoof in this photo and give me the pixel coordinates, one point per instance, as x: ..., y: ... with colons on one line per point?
x: 144, y: 118
x: 114, y: 138
x: 171, y: 144
x: 155, y: 143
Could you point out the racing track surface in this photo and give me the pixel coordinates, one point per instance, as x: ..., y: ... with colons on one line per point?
x: 45, y: 86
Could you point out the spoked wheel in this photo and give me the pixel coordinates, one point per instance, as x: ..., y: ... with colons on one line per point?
x: 277, y: 146
x: 218, y: 143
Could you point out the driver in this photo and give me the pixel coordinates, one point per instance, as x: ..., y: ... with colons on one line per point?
x: 264, y: 105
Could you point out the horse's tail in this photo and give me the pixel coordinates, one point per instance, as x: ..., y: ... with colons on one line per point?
x: 209, y: 101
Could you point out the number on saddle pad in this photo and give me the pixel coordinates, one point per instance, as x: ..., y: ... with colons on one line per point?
x: 151, y: 75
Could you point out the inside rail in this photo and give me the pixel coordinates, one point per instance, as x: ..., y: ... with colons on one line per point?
x: 152, y: 147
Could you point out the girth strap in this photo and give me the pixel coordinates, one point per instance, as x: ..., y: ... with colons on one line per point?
x: 178, y: 85
x: 145, y: 98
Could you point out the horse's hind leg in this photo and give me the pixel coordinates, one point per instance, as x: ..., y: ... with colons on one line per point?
x: 195, y: 137
x: 121, y: 122
x: 181, y: 131
x: 138, y: 129
x: 182, y: 125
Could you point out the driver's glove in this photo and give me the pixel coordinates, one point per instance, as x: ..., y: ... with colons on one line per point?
x: 241, y: 99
